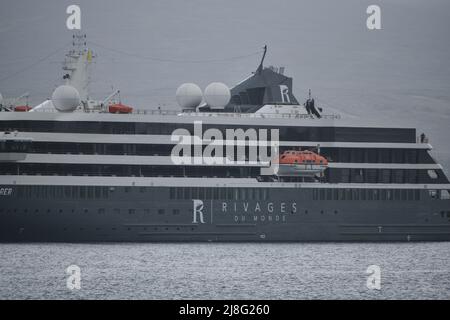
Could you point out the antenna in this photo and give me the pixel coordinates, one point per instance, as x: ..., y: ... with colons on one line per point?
x: 260, y: 68
x: 310, y: 94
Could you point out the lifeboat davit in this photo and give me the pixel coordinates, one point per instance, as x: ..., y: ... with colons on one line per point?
x: 22, y: 108
x: 120, y: 108
x: 301, y: 164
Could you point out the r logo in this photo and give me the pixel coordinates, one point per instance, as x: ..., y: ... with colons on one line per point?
x: 285, y: 93
x: 198, y: 211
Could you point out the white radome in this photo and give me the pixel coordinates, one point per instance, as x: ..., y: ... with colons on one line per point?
x: 66, y: 98
x: 217, y: 95
x: 189, y: 96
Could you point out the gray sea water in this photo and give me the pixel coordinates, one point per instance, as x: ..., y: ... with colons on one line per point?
x: 225, y: 271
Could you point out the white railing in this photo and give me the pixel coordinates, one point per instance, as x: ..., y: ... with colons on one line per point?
x: 213, y: 114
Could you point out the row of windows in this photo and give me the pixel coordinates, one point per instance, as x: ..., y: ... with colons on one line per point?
x: 335, y: 175
x: 353, y: 155
x: 344, y: 134
x: 219, y: 193
x: 116, y: 211
x: 62, y: 192
x: 377, y: 155
x: 385, y: 176
x: 366, y: 194
x: 127, y: 170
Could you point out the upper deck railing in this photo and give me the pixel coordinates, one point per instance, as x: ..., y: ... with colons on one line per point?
x: 210, y: 114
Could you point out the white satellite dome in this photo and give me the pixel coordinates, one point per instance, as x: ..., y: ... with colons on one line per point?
x: 66, y: 98
x: 189, y: 96
x: 217, y: 95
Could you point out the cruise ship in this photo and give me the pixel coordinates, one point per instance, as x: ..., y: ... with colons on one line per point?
x: 246, y: 164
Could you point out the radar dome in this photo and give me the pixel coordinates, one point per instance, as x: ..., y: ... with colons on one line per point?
x: 217, y: 95
x: 189, y: 96
x: 66, y: 98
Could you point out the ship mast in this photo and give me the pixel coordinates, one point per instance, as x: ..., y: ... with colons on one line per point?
x: 260, y: 68
x: 76, y: 66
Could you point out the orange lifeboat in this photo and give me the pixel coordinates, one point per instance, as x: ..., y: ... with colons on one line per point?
x: 301, y: 164
x: 120, y: 108
x: 22, y: 108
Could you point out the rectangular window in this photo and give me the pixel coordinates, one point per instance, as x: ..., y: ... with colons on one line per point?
x: 341, y: 194
x: 223, y: 193
x: 417, y: 195
x: 101, y: 210
x: 67, y: 192
x: 397, y: 194
x: 194, y: 193
x: 329, y: 194
x: 98, y: 192
x: 179, y: 193
x: 90, y: 192
x: 322, y: 194
x: 243, y: 194
x: 314, y: 191
x: 375, y: 194
x: 161, y: 211
x: 176, y: 211
x: 363, y: 194
x: 389, y: 195
x: 230, y: 193
x: 105, y: 192
x: 131, y: 211
x: 172, y: 193
x: 348, y: 194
